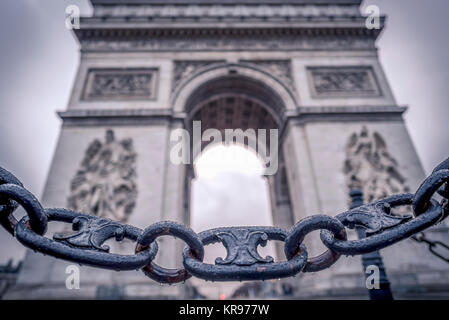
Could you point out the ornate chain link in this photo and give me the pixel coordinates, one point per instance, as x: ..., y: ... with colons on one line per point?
x: 243, y: 262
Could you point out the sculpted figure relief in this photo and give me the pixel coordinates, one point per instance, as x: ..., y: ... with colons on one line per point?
x: 344, y: 81
x: 105, y: 184
x: 371, y: 168
x: 183, y: 69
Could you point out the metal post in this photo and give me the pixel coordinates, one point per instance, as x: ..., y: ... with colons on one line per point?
x: 373, y: 258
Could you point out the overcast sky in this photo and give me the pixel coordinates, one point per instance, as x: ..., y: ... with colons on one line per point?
x: 39, y: 58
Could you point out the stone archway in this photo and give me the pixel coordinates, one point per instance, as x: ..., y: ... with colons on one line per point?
x: 235, y: 101
x: 237, y: 77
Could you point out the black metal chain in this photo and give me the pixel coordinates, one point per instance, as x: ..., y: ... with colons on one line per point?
x: 243, y: 262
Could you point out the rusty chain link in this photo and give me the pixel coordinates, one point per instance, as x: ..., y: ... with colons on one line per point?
x: 243, y: 262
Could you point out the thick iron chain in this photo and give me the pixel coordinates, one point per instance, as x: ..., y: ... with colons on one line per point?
x: 243, y: 262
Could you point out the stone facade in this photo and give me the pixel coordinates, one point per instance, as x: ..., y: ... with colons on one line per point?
x: 149, y: 67
x: 8, y: 276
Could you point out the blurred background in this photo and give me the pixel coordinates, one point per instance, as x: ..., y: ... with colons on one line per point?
x: 39, y: 58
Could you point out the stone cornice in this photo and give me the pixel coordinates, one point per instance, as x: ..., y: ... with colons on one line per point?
x: 300, y: 116
x: 94, y: 117
x: 233, y: 2
x: 216, y: 36
x: 351, y: 109
x: 306, y: 114
x: 116, y: 113
x: 226, y: 12
x: 346, y: 113
x: 225, y: 32
x: 107, y: 26
x: 151, y: 25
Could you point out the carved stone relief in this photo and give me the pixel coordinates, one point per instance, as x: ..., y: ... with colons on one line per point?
x: 220, y: 42
x: 343, y: 82
x: 279, y: 68
x: 235, y: 10
x: 105, y: 183
x: 184, y: 68
x: 371, y: 168
x: 122, y: 84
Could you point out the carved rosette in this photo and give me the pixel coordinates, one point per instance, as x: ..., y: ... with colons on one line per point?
x: 105, y: 183
x: 370, y: 168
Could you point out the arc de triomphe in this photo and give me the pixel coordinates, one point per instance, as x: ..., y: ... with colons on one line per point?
x: 308, y: 68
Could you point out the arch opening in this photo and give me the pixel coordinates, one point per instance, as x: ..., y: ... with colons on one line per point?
x: 242, y: 110
x: 229, y: 190
x: 225, y: 175
x: 236, y: 85
x: 229, y: 185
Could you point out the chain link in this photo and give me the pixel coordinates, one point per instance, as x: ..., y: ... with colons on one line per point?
x: 243, y: 262
x: 433, y: 245
x: 8, y: 206
x: 165, y: 228
x: 307, y: 225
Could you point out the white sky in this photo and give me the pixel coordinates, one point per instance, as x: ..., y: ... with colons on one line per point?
x: 224, y: 159
x: 224, y: 174
x: 229, y: 190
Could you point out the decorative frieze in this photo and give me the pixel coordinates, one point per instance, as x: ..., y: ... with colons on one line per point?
x: 105, y: 184
x: 212, y: 40
x: 278, y: 68
x: 336, y: 82
x: 230, y: 10
x: 120, y: 84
